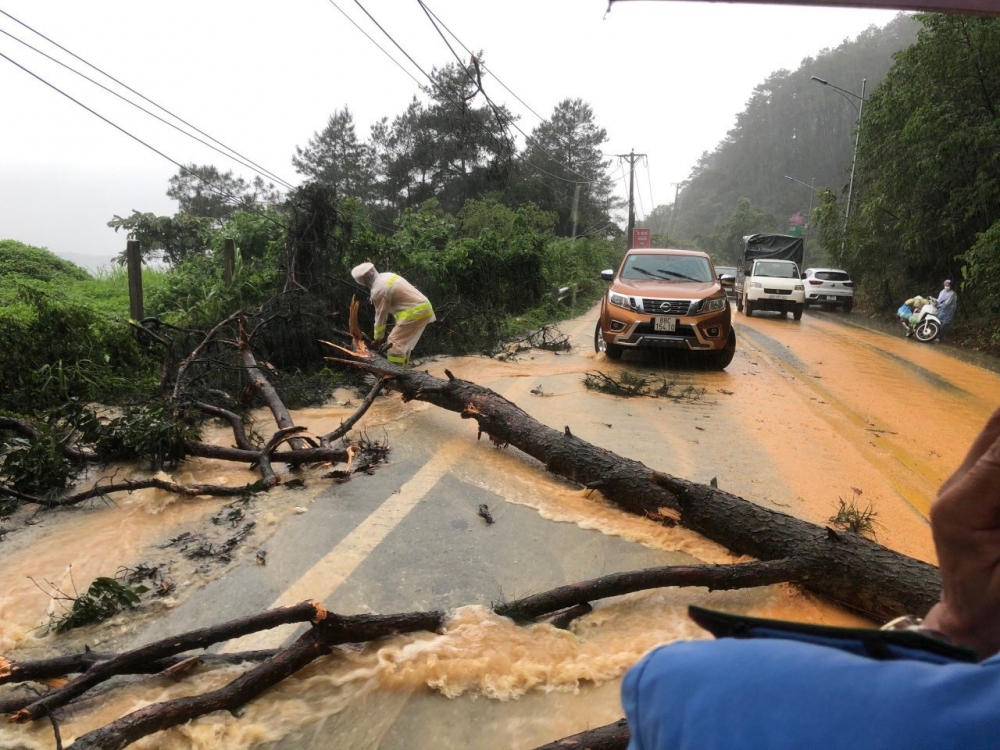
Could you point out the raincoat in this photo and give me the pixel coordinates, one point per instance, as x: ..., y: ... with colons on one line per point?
x: 947, y: 304
x: 771, y: 690
x: 412, y: 311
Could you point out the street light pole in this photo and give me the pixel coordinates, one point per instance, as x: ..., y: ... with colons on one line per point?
x: 857, y: 139
x: 857, y: 136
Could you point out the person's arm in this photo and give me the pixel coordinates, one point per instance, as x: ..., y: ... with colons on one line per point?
x: 381, y: 313
x: 965, y: 520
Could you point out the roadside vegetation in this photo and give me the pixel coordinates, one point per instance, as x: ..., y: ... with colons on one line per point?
x: 926, y: 196
x: 438, y: 194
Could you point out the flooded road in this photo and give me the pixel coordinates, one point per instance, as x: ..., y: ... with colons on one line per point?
x: 808, y: 413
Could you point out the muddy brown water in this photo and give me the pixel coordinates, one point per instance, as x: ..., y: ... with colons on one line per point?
x: 808, y: 412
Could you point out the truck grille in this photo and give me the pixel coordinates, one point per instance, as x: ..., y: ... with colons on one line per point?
x: 666, y: 306
x: 777, y: 291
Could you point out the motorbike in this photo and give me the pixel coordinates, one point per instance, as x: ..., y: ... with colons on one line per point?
x: 928, y: 325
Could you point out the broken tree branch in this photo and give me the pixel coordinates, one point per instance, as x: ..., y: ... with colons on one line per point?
x: 272, y: 618
x: 712, y: 577
x: 197, y: 351
x: 13, y: 671
x: 234, y: 419
x: 327, y: 632
x: 130, y: 485
x: 281, y: 416
x: 159, y: 716
x: 348, y: 423
x: 28, y: 430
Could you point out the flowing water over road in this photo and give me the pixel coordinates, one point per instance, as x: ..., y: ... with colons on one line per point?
x: 807, y: 413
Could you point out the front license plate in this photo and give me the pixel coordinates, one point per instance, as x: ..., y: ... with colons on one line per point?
x: 665, y: 324
x: 831, y: 297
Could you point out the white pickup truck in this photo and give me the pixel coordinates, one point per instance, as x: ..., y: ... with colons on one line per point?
x: 772, y: 285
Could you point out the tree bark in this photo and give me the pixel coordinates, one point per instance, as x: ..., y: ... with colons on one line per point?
x: 846, y: 568
x: 712, y: 577
x: 272, y: 618
x: 609, y: 737
x: 159, y: 716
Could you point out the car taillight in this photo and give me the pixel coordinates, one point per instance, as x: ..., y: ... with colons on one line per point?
x: 815, y: 282
x: 848, y: 283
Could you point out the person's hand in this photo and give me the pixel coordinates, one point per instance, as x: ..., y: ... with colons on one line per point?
x: 965, y: 520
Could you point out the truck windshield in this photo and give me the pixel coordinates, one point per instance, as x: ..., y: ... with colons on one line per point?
x: 776, y: 270
x: 667, y: 268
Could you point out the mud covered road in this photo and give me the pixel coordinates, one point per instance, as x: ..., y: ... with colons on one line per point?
x: 807, y: 414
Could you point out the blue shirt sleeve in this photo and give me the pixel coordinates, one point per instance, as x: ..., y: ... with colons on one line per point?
x: 768, y: 694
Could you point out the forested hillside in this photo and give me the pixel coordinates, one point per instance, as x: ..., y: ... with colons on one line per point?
x: 928, y: 182
x: 791, y: 126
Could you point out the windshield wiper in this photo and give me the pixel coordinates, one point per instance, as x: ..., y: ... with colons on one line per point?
x: 660, y: 274
x: 646, y: 271
x: 680, y: 276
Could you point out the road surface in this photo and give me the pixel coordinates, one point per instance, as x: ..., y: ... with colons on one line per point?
x: 808, y: 414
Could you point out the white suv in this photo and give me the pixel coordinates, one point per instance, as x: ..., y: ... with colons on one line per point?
x: 829, y: 287
x: 772, y: 285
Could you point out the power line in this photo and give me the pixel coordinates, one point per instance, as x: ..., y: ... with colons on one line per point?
x: 495, y: 77
x: 479, y: 85
x: 398, y: 46
x: 384, y: 51
x: 229, y: 196
x: 248, y: 165
x: 141, y: 96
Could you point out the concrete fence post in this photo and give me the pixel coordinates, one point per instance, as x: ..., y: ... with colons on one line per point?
x: 133, y: 256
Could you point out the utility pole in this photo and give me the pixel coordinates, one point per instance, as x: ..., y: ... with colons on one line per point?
x: 857, y: 139
x: 673, y: 213
x: 576, y: 206
x: 631, y: 156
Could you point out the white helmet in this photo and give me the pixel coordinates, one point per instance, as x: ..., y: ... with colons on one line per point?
x: 362, y: 272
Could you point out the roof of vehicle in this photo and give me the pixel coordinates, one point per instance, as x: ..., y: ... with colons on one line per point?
x: 661, y: 250
x: 837, y: 270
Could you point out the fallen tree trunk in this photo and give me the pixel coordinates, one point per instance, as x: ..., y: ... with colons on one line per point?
x: 609, y: 737
x: 846, y: 568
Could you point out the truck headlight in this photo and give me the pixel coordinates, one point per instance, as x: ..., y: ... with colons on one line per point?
x: 713, y: 304
x: 756, y: 285
x: 619, y: 300
x: 799, y: 287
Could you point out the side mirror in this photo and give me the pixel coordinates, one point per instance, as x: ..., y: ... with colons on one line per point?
x: 802, y: 276
x: 727, y: 280
x: 608, y: 274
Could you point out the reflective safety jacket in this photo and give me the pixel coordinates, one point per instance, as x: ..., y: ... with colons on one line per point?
x: 394, y: 295
x: 768, y: 685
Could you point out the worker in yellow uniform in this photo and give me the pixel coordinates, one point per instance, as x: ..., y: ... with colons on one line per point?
x: 394, y: 295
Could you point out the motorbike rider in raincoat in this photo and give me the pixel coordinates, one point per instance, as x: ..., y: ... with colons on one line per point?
x: 393, y: 295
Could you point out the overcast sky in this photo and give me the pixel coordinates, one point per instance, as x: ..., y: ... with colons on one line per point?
x: 665, y: 78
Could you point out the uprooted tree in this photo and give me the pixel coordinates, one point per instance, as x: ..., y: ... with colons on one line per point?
x: 846, y: 568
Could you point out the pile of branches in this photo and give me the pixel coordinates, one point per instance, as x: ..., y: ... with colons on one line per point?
x: 547, y: 338
x: 628, y: 384
x: 45, y: 455
x: 327, y: 633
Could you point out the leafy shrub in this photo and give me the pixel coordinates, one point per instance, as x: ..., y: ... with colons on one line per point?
x: 105, y: 598
x: 34, y: 467
x: 149, y: 432
x: 52, y: 349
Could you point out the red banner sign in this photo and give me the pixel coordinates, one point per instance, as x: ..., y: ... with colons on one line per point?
x: 640, y: 237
